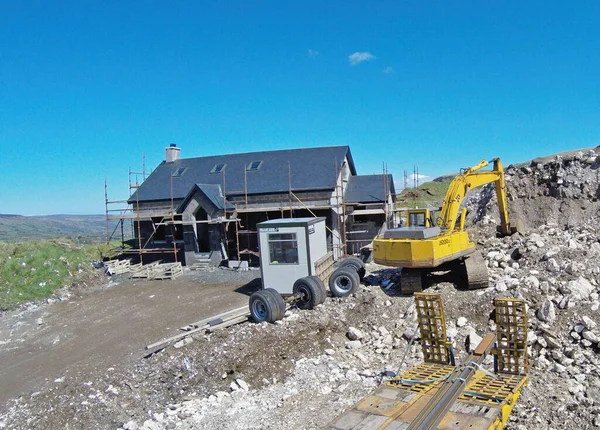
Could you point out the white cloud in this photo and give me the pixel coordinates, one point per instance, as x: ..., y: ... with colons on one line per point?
x: 418, y: 176
x: 312, y: 53
x: 359, y: 57
x: 388, y: 70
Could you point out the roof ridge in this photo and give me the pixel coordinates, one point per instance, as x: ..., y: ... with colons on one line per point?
x: 267, y: 150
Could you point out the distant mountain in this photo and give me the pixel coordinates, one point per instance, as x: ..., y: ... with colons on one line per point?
x: 76, y: 227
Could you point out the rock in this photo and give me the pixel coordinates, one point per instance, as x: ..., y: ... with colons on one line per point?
x: 559, y: 368
x: 547, y: 312
x: 353, y: 344
x: 383, y: 331
x: 586, y: 334
x: 593, y: 393
x: 326, y: 389
x: 580, y: 288
x: 552, y: 342
x: 531, y: 281
x: 531, y: 337
x: 243, y: 384
x: 461, y: 322
x: 588, y: 322
x: 329, y: 352
x: 501, y: 286
x: 354, y: 333
x: 131, y: 425
x: 473, y: 339
x: 552, y: 266
x: 410, y: 333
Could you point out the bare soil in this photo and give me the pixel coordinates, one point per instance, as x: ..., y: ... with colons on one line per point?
x: 105, y: 326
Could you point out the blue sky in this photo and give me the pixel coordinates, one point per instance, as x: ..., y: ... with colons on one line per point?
x: 86, y: 87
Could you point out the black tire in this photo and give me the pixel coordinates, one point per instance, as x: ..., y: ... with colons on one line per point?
x: 263, y: 307
x: 307, y: 293
x: 356, y: 264
x: 278, y: 300
x: 343, y: 282
x: 320, y: 287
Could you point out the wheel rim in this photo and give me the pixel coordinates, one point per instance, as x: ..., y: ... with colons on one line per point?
x: 304, y: 294
x: 343, y: 283
x: 259, y: 310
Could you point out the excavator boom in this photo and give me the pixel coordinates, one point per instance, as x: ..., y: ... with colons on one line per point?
x: 472, y: 178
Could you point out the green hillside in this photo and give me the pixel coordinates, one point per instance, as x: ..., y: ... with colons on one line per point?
x: 80, y: 228
x: 428, y: 194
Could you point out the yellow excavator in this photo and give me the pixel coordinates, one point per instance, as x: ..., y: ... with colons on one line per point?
x: 423, y: 246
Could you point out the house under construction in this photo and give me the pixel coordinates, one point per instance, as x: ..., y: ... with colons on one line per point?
x: 204, y: 210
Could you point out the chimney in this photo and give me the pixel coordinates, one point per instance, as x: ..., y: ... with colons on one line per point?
x: 172, y: 153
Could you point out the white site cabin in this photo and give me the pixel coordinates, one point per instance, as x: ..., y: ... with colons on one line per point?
x: 289, y: 249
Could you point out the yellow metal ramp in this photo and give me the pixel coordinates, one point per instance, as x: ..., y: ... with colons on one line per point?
x: 437, y: 395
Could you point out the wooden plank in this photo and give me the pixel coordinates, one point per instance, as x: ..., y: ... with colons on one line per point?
x: 234, y: 320
x: 229, y: 314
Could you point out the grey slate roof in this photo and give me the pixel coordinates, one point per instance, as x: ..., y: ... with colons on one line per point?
x: 211, y: 191
x: 368, y: 189
x: 311, y: 168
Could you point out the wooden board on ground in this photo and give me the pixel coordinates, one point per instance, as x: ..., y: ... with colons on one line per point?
x: 223, y: 320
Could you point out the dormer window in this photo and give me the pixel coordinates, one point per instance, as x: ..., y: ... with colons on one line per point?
x: 218, y: 168
x: 254, y: 165
x: 179, y: 172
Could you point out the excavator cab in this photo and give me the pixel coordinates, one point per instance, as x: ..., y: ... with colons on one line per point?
x: 421, y: 217
x: 418, y: 218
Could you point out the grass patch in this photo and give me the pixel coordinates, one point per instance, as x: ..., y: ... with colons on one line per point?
x: 34, y: 270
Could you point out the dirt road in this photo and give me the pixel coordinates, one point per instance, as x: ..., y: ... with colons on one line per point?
x: 108, y: 327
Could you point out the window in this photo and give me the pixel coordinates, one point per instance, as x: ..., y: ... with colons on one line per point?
x: 254, y: 165
x: 218, y: 168
x: 283, y: 248
x: 179, y: 172
x: 417, y: 219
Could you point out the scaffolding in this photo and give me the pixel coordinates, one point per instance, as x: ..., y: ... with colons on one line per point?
x: 239, y: 208
x: 133, y: 213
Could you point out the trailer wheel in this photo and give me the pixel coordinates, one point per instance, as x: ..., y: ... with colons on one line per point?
x: 320, y: 286
x: 343, y: 282
x: 307, y: 293
x: 356, y: 264
x: 278, y: 300
x: 263, y: 307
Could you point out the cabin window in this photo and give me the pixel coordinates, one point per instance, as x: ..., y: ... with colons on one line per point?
x: 283, y: 248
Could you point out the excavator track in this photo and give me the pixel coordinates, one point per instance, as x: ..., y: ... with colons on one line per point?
x: 476, y: 272
x: 411, y: 280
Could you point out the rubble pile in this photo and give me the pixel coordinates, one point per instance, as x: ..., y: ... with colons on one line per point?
x: 562, y: 189
x: 557, y: 271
